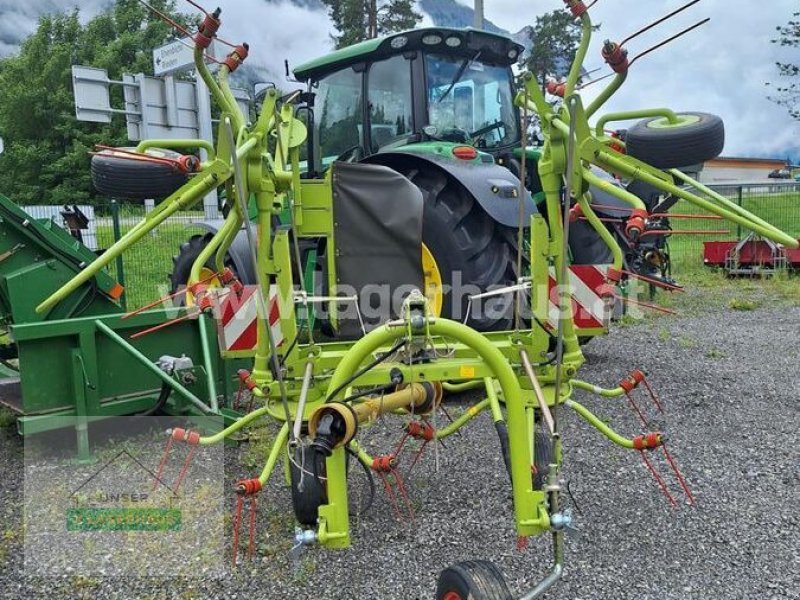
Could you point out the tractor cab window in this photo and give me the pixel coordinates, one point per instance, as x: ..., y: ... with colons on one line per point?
x: 338, y: 114
x: 390, y: 109
x: 471, y: 101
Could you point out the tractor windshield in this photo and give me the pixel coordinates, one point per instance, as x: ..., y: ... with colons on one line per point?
x: 471, y: 98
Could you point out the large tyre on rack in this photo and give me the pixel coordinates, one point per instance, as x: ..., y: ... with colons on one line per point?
x: 472, y: 580
x: 462, y: 239
x: 694, y: 139
x: 125, y: 174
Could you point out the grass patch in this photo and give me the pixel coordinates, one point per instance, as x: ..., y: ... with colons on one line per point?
x: 743, y: 304
x: 715, y: 353
x: 7, y: 418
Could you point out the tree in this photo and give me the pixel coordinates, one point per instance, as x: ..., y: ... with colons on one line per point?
x: 554, y: 41
x: 47, y: 158
x: 359, y: 20
x: 788, y: 94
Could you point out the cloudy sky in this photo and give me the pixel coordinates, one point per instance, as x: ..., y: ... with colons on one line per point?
x: 720, y: 68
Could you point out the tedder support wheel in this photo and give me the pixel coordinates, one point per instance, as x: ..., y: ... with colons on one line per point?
x: 695, y: 138
x: 543, y: 456
x: 308, y: 490
x: 472, y: 580
x: 467, y: 247
x: 126, y: 174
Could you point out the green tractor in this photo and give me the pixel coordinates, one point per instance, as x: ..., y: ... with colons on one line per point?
x: 437, y: 106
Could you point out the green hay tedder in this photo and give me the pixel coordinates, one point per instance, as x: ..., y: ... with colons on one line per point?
x: 353, y: 232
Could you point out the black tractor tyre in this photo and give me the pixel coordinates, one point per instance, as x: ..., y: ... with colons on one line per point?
x: 182, y: 264
x: 472, y: 580
x: 308, y: 497
x: 680, y: 145
x: 543, y: 453
x: 120, y: 175
x: 464, y: 239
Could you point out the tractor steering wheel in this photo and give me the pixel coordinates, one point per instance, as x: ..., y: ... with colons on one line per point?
x: 352, y: 154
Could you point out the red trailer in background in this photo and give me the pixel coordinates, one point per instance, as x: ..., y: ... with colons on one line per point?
x: 750, y: 256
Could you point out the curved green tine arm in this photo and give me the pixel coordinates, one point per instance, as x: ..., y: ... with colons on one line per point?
x: 238, y: 120
x: 234, y: 427
x: 597, y: 390
x: 463, y: 386
x: 595, y: 422
x: 274, y: 453
x: 726, y: 202
x: 494, y: 401
x: 607, y: 92
x: 601, y: 230
x: 363, y: 456
x: 743, y: 218
x: 610, y: 188
x: 226, y: 234
x: 200, y: 64
x: 580, y: 55
x: 469, y: 414
x: 189, y: 144
x: 627, y: 115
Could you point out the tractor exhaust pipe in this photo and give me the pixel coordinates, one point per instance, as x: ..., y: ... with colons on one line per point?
x: 335, y: 424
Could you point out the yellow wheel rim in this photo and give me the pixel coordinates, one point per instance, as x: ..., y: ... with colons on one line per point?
x: 434, y: 291
x: 205, y: 273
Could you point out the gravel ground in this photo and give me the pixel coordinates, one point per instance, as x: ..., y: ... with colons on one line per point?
x: 728, y: 380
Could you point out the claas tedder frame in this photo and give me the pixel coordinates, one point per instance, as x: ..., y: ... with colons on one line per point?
x: 323, y: 393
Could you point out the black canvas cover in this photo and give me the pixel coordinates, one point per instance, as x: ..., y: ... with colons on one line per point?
x: 377, y: 216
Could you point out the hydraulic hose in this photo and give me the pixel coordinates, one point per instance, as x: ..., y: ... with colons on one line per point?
x: 161, y: 402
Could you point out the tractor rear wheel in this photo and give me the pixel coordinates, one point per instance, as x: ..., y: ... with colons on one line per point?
x: 182, y: 267
x: 468, y: 249
x: 472, y: 580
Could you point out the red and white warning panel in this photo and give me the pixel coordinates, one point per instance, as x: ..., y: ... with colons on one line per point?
x: 589, y: 308
x: 237, y: 319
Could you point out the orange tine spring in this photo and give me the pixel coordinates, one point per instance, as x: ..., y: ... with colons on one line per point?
x: 161, y: 326
x: 645, y: 305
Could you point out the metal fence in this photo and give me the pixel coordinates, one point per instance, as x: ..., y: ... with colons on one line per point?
x: 145, y: 268
x: 776, y: 202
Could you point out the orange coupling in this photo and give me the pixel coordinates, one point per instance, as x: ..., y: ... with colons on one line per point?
x: 648, y: 441
x: 188, y: 163
x: 248, y: 487
x: 383, y: 464
x: 208, y: 29
x: 578, y: 8
x: 185, y: 435
x: 615, y: 56
x: 636, y: 223
x: 421, y: 431
x: 607, y: 291
x: 575, y: 213
x: 631, y: 381
x: 227, y: 276
x: 237, y: 57
x: 247, y: 381
x: 614, y: 275
x: 556, y: 89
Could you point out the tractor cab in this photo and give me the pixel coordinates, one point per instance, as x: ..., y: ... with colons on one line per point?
x: 452, y: 86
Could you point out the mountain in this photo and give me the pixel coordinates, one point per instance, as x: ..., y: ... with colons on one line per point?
x: 449, y: 13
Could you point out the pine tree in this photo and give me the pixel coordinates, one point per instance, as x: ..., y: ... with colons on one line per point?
x: 788, y: 93
x: 358, y: 20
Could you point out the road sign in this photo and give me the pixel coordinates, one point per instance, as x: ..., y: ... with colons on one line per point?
x: 176, y: 56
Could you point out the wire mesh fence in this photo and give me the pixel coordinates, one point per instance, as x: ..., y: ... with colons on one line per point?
x: 777, y: 203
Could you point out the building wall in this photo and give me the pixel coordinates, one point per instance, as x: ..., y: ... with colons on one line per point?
x: 733, y: 170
